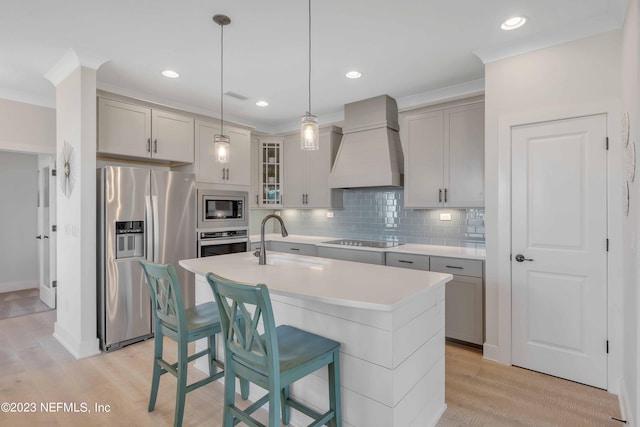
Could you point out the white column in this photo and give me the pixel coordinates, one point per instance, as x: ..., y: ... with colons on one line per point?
x: 74, y: 77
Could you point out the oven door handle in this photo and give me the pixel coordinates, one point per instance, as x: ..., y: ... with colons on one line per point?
x: 214, y: 242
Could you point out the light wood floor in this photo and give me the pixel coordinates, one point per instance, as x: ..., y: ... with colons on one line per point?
x: 19, y: 303
x: 34, y: 367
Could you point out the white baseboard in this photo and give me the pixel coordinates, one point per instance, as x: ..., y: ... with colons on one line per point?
x: 78, y: 349
x: 18, y: 286
x: 625, y: 407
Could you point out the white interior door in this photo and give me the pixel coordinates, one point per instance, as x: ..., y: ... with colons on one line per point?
x: 559, y: 249
x: 46, y: 219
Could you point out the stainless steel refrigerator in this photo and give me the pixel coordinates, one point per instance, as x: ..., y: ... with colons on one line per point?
x: 142, y: 213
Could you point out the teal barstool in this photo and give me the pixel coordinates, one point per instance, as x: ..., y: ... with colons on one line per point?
x: 183, y: 326
x: 272, y: 360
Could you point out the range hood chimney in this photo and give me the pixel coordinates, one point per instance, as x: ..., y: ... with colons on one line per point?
x: 370, y: 154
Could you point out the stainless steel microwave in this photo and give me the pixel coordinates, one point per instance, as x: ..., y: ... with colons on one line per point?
x: 222, y: 209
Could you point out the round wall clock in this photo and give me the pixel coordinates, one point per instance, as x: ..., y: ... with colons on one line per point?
x: 625, y: 197
x: 625, y: 129
x: 67, y: 178
x: 630, y: 161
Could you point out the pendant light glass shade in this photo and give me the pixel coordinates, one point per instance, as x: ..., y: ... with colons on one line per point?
x: 309, y: 133
x: 221, y: 147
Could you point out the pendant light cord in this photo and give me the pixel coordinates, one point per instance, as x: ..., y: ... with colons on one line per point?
x: 221, y: 79
x: 309, y: 110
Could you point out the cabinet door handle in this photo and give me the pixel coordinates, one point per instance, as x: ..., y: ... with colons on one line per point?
x: 155, y: 145
x: 439, y: 195
x: 405, y: 261
x: 294, y: 249
x: 454, y: 266
x: 148, y: 145
x: 223, y: 174
x: 227, y: 173
x: 257, y: 199
x: 445, y: 195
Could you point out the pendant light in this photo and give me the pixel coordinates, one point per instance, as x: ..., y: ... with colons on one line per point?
x: 221, y: 144
x: 309, y: 131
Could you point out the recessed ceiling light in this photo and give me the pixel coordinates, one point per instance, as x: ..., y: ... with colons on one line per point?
x: 171, y: 74
x: 354, y: 74
x: 513, y: 23
x: 262, y: 103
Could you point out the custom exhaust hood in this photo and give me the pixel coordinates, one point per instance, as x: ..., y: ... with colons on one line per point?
x: 370, y: 154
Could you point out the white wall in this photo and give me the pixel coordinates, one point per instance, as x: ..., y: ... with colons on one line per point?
x: 576, y: 78
x: 27, y: 128
x: 630, y: 393
x: 76, y: 323
x: 18, y: 216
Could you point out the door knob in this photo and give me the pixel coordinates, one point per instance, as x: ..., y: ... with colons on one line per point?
x: 38, y: 237
x: 521, y: 258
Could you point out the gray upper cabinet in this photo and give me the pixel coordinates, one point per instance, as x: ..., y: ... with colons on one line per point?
x: 131, y: 130
x: 237, y: 171
x: 444, y: 156
x: 306, y: 173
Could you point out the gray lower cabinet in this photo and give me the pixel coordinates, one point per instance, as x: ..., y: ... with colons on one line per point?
x: 464, y: 298
x: 293, y: 248
x: 357, y: 255
x: 415, y: 262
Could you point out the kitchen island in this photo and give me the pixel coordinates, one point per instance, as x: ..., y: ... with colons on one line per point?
x: 389, y: 321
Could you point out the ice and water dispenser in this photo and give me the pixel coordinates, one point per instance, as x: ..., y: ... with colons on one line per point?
x: 129, y: 239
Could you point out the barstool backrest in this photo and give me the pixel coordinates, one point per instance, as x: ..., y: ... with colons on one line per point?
x: 243, y: 310
x: 166, y: 295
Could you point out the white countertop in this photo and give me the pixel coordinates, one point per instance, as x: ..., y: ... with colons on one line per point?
x: 409, y: 248
x: 345, y: 283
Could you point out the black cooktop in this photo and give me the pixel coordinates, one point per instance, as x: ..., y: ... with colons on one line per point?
x: 363, y: 243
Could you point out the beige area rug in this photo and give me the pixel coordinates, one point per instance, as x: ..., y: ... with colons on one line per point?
x: 20, y: 303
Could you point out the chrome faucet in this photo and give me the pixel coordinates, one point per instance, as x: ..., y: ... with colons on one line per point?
x: 263, y: 249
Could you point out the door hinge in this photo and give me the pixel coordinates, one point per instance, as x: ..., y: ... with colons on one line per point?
x: 54, y: 228
x: 607, y: 346
x: 607, y: 245
x: 510, y: 257
x: 54, y: 284
x: 607, y: 142
x: 53, y: 172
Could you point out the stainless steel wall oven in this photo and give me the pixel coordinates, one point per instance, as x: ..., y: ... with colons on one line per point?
x: 223, y: 222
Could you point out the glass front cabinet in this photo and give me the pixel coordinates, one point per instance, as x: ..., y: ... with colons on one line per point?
x: 269, y: 191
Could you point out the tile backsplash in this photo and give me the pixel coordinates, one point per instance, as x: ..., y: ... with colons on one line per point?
x: 379, y: 214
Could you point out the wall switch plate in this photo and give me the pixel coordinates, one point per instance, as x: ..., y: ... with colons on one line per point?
x: 277, y: 213
x: 445, y: 217
x: 329, y: 214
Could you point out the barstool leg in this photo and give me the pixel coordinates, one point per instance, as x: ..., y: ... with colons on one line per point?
x: 334, y: 390
x: 157, y: 370
x: 286, y: 409
x: 181, y: 391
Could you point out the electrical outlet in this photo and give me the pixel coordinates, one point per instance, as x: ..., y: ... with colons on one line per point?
x: 329, y: 214
x: 445, y: 217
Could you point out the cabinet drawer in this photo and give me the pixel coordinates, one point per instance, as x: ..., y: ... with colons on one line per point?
x: 356, y: 255
x: 415, y: 262
x: 294, y: 248
x: 461, y: 267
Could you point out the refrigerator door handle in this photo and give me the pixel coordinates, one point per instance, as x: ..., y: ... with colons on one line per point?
x: 148, y: 228
x: 156, y: 232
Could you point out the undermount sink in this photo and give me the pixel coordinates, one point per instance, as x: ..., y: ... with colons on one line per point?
x: 277, y: 259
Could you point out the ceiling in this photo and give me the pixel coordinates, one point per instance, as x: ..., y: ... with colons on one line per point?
x: 409, y: 49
